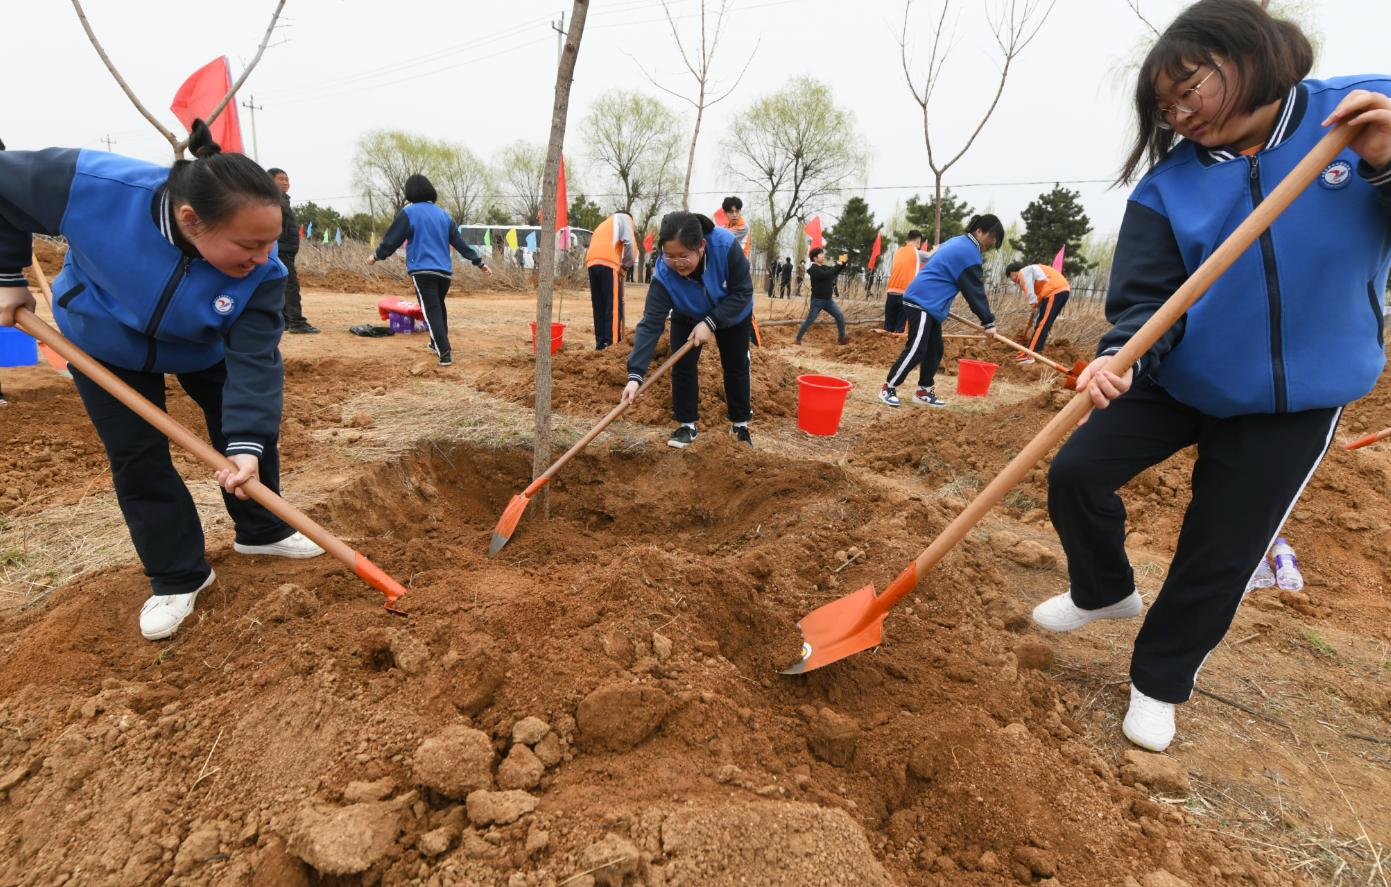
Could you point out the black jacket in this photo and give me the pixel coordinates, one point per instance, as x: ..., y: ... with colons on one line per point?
x: 823, y: 279
x: 289, y: 228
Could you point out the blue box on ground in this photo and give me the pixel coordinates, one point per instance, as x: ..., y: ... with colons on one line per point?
x: 17, y: 348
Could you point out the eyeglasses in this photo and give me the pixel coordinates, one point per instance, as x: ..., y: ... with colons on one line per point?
x: 1190, y: 101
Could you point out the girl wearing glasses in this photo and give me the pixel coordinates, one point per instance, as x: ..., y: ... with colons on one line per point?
x: 1257, y: 373
x: 702, y: 281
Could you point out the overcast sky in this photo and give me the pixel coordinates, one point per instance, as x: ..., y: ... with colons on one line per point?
x: 483, y: 73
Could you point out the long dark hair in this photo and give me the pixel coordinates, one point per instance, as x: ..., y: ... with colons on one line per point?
x: 216, y: 185
x: 1271, y: 54
x: 990, y: 224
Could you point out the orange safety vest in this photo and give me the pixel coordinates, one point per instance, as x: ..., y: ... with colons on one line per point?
x: 604, y: 247
x: 741, y: 234
x: 903, y: 269
x: 1054, y: 284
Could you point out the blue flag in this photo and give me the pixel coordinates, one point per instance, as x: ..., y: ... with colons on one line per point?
x: 338, y: 236
x: 309, y: 230
x: 531, y: 241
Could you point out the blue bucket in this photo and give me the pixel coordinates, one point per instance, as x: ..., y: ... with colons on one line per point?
x: 17, y: 348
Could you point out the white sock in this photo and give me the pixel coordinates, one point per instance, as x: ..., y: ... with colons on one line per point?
x: 741, y: 425
x: 690, y: 425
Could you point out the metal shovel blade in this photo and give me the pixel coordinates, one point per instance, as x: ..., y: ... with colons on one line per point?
x: 839, y: 629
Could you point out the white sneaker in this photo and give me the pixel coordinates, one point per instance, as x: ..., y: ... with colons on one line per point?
x: 162, y: 614
x: 294, y: 545
x: 1059, y: 613
x: 1149, y: 723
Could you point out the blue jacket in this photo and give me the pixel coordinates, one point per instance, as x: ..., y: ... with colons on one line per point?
x: 1295, y: 324
x: 132, y: 293
x: 719, y: 294
x: 955, y: 267
x: 431, y: 233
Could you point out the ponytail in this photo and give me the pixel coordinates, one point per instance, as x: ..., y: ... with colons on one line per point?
x: 216, y: 185
x: 687, y: 228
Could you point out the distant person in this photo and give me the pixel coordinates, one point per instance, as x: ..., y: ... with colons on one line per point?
x: 955, y: 266
x: 289, y: 249
x: 785, y: 275
x: 703, y: 284
x: 201, y: 234
x: 1047, y: 291
x: 430, y: 232
x: 797, y: 283
x: 769, y: 277
x: 613, y: 250
x: 823, y: 281
x: 907, y: 259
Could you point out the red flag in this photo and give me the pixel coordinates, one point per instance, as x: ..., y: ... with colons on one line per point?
x: 199, y: 96
x: 874, y: 253
x: 1058, y: 259
x: 562, y: 201
x: 647, y: 243
x: 813, y: 230
x: 720, y: 218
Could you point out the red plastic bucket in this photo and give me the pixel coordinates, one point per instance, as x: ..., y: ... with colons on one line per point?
x: 820, y: 401
x: 557, y: 336
x: 973, y: 377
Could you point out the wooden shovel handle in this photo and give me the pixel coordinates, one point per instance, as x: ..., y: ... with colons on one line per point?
x: 175, y: 431
x: 605, y: 422
x: 1159, y: 323
x: 1052, y: 364
x: 1368, y: 440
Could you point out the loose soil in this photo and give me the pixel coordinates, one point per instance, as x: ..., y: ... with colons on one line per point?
x: 600, y: 704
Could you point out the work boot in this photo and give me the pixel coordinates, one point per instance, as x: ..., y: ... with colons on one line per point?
x: 681, y: 437
x: 888, y: 396
x: 162, y: 614
x: 1149, y: 723
x: 302, y: 327
x: 295, y: 545
x: 1059, y: 613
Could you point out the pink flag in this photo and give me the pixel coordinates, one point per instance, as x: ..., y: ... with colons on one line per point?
x: 198, y: 97
x: 720, y: 218
x: 647, y: 243
x: 1058, y: 259
x: 813, y: 230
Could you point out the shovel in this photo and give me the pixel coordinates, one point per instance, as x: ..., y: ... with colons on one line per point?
x: 369, y: 572
x: 855, y: 622
x: 507, y: 524
x: 1071, y: 374
x: 1368, y: 440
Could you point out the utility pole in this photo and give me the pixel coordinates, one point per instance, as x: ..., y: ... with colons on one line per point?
x: 559, y: 28
x: 109, y: 142
x: 251, y: 103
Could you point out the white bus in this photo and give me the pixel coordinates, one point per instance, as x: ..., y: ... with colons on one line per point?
x: 575, y: 240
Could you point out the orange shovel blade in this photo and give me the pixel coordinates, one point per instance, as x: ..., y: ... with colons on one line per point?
x: 1071, y: 381
x: 507, y: 524
x: 379, y: 579
x: 839, y: 629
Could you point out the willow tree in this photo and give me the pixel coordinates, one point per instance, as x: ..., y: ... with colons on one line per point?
x: 637, y: 141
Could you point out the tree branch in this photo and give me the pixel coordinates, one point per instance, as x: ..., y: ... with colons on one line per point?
x: 246, y: 72
x: 121, y: 81
x: 1135, y: 8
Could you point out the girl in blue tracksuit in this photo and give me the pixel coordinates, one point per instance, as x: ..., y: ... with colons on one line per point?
x: 431, y: 233
x: 1257, y: 373
x: 168, y: 271
x: 955, y: 266
x: 702, y: 281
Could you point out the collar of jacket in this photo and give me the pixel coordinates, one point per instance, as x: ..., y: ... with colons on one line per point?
x: 162, y: 215
x: 1291, y: 114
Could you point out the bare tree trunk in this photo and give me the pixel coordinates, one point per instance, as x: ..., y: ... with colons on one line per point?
x: 937, y: 213
x: 565, y: 75
x: 174, y: 141
x: 690, y: 160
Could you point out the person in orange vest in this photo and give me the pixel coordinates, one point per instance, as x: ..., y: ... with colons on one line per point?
x: 738, y: 225
x: 613, y: 249
x: 906, y: 262
x: 1048, y: 291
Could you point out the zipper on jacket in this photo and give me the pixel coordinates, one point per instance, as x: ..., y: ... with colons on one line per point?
x: 164, y: 299
x: 1272, y: 289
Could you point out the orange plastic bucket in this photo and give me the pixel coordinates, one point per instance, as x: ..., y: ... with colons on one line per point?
x: 973, y: 377
x: 820, y: 401
x: 557, y: 336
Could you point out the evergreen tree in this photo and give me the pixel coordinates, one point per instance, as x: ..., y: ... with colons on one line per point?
x: 853, y: 234
x: 921, y: 215
x: 1053, y: 220
x: 585, y: 213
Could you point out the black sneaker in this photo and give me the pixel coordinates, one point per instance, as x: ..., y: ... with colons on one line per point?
x: 303, y: 327
x: 681, y: 437
x: 742, y: 433
x: 446, y: 361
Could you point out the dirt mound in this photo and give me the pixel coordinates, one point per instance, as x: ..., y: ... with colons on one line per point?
x: 586, y: 382
x: 294, y: 728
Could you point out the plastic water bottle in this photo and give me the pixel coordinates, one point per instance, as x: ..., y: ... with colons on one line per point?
x: 1264, y: 577
x: 1286, y: 567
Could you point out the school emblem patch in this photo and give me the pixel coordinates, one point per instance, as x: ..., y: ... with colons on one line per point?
x: 223, y: 305
x: 1336, y: 175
